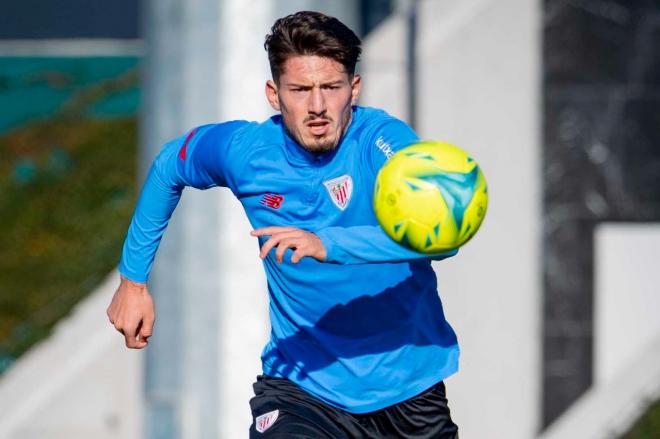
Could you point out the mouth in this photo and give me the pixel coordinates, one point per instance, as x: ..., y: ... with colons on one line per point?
x: 318, y: 127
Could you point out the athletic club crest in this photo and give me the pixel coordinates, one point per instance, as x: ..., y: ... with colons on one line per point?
x: 265, y: 421
x: 340, y: 190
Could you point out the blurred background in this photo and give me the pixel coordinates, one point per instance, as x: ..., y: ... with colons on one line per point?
x: 556, y: 303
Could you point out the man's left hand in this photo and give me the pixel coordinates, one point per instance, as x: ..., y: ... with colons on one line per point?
x: 302, y: 242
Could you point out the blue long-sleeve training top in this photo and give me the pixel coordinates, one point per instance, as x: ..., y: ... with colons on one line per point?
x: 363, y: 330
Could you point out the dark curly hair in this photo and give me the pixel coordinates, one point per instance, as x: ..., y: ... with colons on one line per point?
x: 311, y: 33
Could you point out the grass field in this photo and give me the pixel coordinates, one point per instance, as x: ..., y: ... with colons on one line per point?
x: 648, y: 426
x: 67, y: 190
x: 67, y: 185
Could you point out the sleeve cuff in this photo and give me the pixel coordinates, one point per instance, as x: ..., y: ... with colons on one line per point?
x: 331, y: 250
x: 131, y: 275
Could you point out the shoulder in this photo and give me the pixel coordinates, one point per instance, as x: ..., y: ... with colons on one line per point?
x: 238, y: 135
x: 267, y: 132
x: 378, y: 131
x: 369, y: 116
x: 372, y: 122
x: 222, y: 133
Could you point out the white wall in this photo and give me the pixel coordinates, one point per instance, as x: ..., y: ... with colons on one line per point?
x: 243, y: 309
x: 243, y: 313
x: 627, y: 295
x: 479, y: 88
x: 79, y: 383
x: 383, y: 67
x: 181, y: 90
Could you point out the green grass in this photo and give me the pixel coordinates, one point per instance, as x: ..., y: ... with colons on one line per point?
x: 648, y: 426
x: 66, y: 196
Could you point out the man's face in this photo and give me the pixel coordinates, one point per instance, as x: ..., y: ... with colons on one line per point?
x: 314, y: 95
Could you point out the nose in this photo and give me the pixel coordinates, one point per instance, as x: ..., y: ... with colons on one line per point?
x: 317, y: 102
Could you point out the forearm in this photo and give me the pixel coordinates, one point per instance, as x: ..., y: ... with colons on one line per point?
x: 152, y: 214
x: 367, y: 244
x: 191, y: 160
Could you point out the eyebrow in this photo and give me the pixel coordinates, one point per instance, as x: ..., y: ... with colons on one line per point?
x: 337, y: 82
x: 325, y: 84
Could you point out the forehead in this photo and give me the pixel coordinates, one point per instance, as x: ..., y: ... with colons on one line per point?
x: 312, y: 68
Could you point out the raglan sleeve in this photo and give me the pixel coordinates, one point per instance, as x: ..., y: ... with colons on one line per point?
x: 200, y: 159
x: 369, y: 243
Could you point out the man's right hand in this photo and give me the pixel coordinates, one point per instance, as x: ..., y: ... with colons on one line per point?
x: 132, y: 313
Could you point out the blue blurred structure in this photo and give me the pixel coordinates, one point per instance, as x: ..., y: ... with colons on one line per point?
x: 37, y: 86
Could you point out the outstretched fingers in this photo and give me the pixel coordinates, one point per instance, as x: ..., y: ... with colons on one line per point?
x: 272, y: 230
x: 303, y: 243
x: 281, y: 239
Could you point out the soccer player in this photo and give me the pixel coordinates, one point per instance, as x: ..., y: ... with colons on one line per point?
x: 359, y: 344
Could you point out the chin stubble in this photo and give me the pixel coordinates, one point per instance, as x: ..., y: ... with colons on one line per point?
x: 328, y: 146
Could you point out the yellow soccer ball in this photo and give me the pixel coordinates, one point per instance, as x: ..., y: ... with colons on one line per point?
x: 430, y: 197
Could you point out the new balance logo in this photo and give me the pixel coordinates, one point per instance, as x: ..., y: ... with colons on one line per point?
x: 273, y: 201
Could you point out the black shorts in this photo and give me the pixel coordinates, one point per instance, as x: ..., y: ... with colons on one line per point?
x: 282, y: 410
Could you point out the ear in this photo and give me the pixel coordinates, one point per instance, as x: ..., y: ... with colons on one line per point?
x: 271, y: 95
x: 356, y: 86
